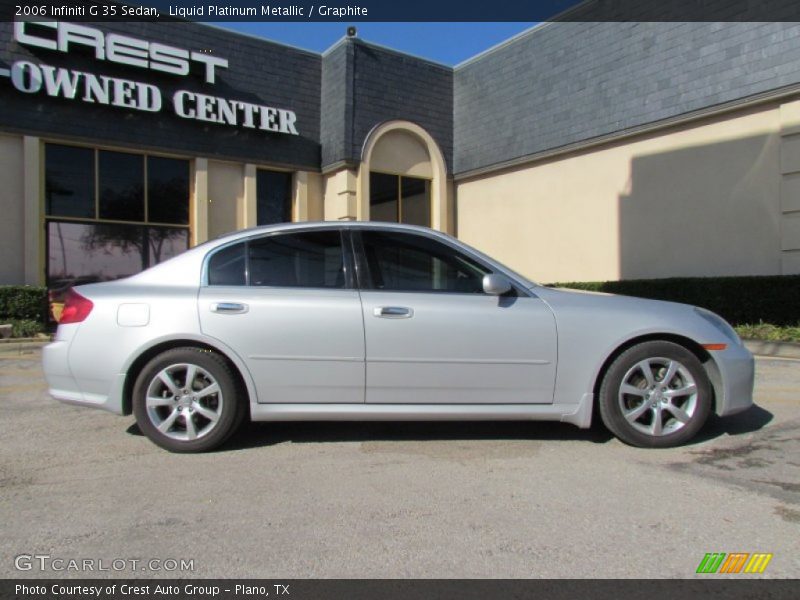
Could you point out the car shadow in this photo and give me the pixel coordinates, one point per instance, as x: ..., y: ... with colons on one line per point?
x: 255, y: 435
x: 748, y: 421
x: 134, y: 430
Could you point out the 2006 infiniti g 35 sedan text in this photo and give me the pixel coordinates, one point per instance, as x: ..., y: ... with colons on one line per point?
x: 367, y: 321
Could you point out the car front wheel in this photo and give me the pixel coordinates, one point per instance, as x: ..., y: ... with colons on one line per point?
x: 655, y: 395
x: 185, y: 400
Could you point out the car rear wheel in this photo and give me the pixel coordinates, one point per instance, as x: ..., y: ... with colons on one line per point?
x: 655, y: 395
x: 186, y: 400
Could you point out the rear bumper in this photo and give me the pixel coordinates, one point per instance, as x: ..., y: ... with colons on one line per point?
x: 64, y: 387
x: 737, y: 373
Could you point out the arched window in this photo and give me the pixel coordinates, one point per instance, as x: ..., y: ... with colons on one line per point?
x: 402, y: 177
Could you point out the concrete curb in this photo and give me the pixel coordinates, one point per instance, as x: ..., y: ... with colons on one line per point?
x: 773, y: 349
x: 20, y: 346
x: 38, y: 339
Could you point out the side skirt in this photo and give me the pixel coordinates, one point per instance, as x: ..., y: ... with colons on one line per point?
x: 579, y: 414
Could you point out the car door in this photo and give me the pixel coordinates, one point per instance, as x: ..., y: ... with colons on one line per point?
x: 285, y: 304
x: 433, y: 335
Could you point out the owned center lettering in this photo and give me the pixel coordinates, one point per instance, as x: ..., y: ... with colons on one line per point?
x: 32, y: 78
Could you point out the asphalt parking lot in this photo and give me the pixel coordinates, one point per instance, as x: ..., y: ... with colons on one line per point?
x: 396, y: 499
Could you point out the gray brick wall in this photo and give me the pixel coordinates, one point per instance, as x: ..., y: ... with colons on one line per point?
x: 260, y: 72
x: 568, y: 82
x: 337, y: 100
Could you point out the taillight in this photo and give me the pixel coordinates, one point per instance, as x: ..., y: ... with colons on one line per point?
x: 76, y: 308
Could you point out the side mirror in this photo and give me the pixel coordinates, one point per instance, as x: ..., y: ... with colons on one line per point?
x: 496, y: 285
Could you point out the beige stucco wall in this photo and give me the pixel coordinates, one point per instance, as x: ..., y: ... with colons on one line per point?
x: 199, y: 201
x: 226, y: 192
x: 339, y: 195
x: 307, y: 197
x: 22, y: 242
x: 790, y: 187
x: 699, y: 199
x: 12, y: 207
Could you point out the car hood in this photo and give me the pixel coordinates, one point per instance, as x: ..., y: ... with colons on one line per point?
x: 604, y: 300
x: 615, y: 318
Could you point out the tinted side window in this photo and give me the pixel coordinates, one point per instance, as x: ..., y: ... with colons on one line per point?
x: 227, y: 267
x: 412, y: 263
x: 309, y: 259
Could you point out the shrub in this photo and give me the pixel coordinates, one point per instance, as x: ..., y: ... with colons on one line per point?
x: 740, y: 300
x: 24, y: 328
x: 769, y: 333
x: 23, y: 302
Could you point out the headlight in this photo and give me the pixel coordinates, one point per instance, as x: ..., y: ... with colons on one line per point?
x: 719, y: 323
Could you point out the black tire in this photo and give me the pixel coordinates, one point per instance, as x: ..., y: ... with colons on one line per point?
x: 195, y: 421
x: 659, y: 414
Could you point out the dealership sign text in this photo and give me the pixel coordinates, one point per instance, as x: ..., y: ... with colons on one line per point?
x: 32, y: 78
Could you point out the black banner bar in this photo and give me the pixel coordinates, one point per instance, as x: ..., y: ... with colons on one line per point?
x: 353, y: 11
x: 709, y: 588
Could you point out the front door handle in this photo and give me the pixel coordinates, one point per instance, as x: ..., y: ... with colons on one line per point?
x: 229, y: 308
x: 393, y: 312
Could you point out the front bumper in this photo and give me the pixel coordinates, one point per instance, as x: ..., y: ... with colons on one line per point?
x: 734, y: 381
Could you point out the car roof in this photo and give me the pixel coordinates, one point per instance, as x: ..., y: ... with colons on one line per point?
x: 303, y: 225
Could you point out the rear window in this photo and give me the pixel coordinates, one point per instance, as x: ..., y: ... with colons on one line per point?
x: 227, y: 266
x: 312, y: 259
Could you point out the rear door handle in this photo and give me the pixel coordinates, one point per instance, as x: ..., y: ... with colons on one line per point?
x: 230, y: 308
x: 393, y: 312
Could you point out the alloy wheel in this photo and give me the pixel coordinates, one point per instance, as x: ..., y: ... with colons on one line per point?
x: 184, y: 402
x: 658, y: 396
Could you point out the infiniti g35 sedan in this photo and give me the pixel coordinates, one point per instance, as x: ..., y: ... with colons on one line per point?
x: 367, y: 321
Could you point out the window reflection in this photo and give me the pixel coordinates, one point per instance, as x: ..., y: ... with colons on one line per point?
x: 82, y: 253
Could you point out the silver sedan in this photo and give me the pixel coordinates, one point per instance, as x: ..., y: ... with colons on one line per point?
x: 367, y: 321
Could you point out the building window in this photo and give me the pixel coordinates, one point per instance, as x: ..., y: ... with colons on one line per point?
x: 69, y: 181
x: 111, y: 214
x: 399, y: 199
x: 167, y: 179
x: 121, y: 181
x: 273, y: 197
